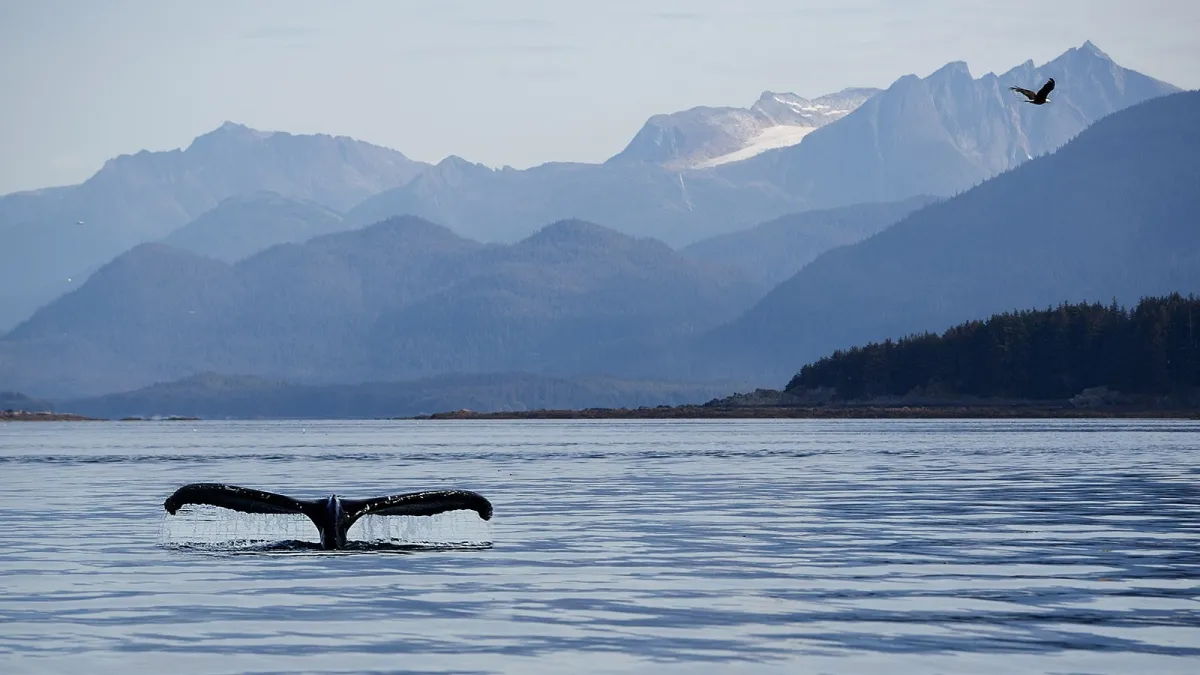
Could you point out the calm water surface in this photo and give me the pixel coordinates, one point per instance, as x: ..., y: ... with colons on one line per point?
x: 664, y: 547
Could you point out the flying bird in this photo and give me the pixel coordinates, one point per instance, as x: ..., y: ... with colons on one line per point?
x: 1039, y: 97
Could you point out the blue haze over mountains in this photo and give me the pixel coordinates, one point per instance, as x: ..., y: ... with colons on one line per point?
x: 53, y: 239
x: 400, y: 299
x: 323, y: 260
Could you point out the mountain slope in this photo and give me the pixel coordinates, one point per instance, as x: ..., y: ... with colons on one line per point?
x: 1112, y: 214
x: 214, y: 396
x: 12, y: 401
x: 246, y: 224
x: 947, y: 132
x: 399, y: 299
x: 708, y: 136
x: 640, y: 199
x: 574, y: 297
x: 55, y: 238
x: 777, y: 249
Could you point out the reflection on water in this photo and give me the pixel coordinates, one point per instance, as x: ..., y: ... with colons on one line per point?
x: 659, y: 546
x: 295, y: 546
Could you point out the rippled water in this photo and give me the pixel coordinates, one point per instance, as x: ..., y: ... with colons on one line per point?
x: 664, y: 546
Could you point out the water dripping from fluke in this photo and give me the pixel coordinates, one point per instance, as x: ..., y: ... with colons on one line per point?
x: 223, y: 518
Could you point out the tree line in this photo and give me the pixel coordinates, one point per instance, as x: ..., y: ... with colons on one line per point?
x: 1152, y: 349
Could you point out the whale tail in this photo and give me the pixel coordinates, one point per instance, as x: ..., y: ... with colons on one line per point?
x: 333, y: 515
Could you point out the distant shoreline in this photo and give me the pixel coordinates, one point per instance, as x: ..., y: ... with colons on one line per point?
x: 42, y: 416
x: 26, y: 416
x: 929, y: 412
x: 825, y: 412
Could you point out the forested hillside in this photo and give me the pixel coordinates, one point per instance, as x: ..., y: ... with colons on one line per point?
x: 1153, y: 349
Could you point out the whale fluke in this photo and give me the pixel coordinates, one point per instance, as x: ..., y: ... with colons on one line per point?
x: 232, y: 497
x: 332, y: 515
x: 420, y: 504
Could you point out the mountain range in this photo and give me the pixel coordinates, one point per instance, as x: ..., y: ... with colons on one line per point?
x: 933, y: 136
x: 775, y: 250
x: 401, y: 299
x: 316, y: 260
x: 937, y: 135
x: 945, y: 133
x: 53, y: 239
x: 1112, y: 215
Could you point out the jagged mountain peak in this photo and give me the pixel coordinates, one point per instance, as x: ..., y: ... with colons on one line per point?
x: 945, y: 132
x: 456, y: 162
x: 705, y: 136
x: 235, y: 129
x: 235, y: 137
x: 952, y: 69
x: 1086, y: 52
x: 450, y: 172
x: 1089, y: 47
x: 1085, y: 56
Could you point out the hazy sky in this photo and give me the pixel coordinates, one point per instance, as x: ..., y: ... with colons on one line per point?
x: 514, y: 82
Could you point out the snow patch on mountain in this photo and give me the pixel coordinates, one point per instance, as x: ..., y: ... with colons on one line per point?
x: 708, y: 136
x: 779, y: 136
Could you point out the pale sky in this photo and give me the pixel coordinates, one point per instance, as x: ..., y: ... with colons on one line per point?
x: 516, y: 82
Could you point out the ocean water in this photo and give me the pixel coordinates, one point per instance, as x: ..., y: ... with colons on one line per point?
x: 795, y: 546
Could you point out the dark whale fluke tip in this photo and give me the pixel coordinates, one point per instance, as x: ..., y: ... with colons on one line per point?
x: 332, y: 515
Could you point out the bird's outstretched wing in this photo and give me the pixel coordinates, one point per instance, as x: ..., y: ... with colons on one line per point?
x: 426, y: 503
x: 1026, y: 92
x: 232, y: 497
x: 1046, y: 89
